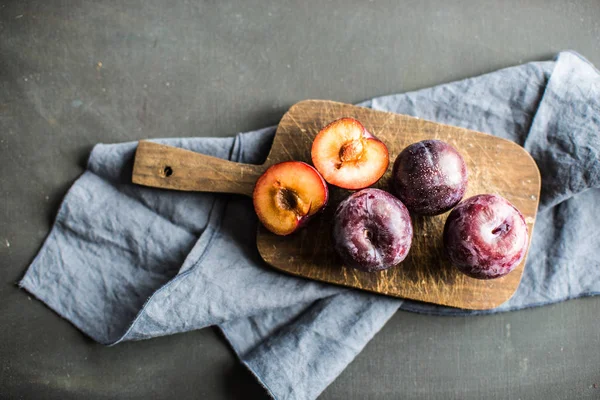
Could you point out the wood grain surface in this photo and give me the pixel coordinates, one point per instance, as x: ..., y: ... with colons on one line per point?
x: 169, y: 167
x: 495, y: 166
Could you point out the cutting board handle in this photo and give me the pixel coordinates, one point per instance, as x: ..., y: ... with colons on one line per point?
x: 167, y: 167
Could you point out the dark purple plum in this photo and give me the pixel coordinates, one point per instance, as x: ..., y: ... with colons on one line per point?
x: 430, y: 177
x: 372, y: 230
x: 485, y: 236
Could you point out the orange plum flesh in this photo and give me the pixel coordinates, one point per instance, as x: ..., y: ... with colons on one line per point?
x: 348, y: 156
x: 287, y: 195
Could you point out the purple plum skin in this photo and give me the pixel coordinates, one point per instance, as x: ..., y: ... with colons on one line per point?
x: 430, y: 177
x: 485, y: 236
x: 372, y: 230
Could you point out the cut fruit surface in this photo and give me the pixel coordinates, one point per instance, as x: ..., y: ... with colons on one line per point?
x: 287, y: 195
x: 348, y: 156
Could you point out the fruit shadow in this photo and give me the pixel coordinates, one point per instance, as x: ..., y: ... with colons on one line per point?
x: 426, y: 263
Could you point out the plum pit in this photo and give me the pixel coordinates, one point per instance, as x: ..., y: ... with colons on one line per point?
x: 289, y: 200
x: 351, y: 151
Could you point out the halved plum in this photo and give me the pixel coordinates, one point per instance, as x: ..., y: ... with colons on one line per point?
x: 287, y: 194
x: 349, y: 156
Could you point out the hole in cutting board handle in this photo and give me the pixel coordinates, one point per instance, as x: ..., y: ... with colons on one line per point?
x: 166, y: 172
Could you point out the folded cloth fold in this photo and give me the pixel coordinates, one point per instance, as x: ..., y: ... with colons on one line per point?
x: 124, y: 262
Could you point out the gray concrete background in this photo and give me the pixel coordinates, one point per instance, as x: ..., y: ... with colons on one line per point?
x: 75, y: 73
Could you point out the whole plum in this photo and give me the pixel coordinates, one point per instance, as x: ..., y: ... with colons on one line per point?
x: 485, y: 236
x: 430, y: 177
x: 372, y: 230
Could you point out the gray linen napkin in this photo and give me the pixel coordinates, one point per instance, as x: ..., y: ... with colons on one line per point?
x: 124, y: 262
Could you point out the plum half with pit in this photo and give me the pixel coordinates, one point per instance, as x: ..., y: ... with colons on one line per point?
x: 430, y: 177
x: 287, y: 195
x: 372, y: 230
x: 485, y: 236
x: 347, y: 155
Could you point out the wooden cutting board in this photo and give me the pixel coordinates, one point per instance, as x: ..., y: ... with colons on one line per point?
x: 495, y: 166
